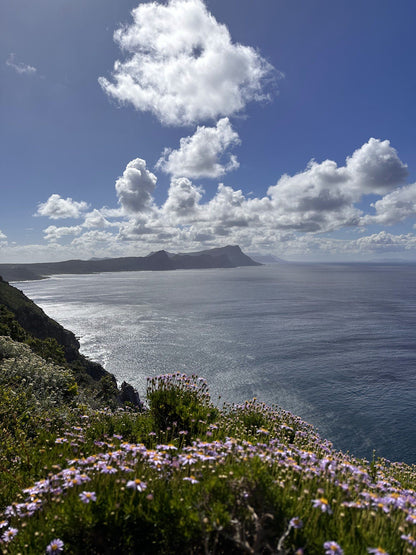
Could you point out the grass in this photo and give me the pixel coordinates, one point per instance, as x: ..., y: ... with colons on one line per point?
x: 183, y: 476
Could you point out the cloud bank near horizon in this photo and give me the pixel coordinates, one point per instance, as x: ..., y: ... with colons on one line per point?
x: 295, y: 215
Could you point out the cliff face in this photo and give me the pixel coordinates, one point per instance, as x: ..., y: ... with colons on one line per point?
x: 35, y: 322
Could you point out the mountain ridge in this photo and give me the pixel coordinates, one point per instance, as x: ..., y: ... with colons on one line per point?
x: 230, y: 256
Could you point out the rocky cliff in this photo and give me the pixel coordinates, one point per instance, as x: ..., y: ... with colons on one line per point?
x: 37, y: 324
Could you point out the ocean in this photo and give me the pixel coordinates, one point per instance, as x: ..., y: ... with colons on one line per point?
x: 332, y: 343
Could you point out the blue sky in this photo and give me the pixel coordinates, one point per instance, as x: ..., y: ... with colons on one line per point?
x: 285, y: 127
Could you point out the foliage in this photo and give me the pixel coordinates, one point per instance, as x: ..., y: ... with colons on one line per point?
x: 244, y: 479
x: 48, y: 348
x: 180, y: 403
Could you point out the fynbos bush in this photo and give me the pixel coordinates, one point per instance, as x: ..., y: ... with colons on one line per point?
x: 180, y: 402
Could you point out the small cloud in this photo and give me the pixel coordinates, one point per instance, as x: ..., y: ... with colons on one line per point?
x: 202, y: 154
x: 57, y: 208
x: 95, y: 219
x: 20, y: 67
x: 54, y: 233
x: 135, y: 187
x: 183, y: 198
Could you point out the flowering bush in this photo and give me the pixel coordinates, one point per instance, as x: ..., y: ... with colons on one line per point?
x: 181, y: 403
x: 249, y: 479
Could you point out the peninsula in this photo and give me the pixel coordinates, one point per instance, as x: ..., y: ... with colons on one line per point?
x: 230, y: 256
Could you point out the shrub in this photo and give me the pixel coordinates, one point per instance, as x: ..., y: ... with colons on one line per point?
x: 180, y: 403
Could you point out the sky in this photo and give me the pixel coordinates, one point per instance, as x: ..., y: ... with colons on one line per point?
x: 286, y: 127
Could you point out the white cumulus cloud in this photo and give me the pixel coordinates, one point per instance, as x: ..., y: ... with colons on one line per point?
x: 394, y: 207
x: 202, y: 154
x: 182, y: 66
x: 54, y: 233
x: 323, y: 197
x: 96, y: 219
x: 294, y: 216
x: 376, y: 167
x: 57, y: 208
x: 386, y: 242
x: 183, y: 199
x: 135, y: 187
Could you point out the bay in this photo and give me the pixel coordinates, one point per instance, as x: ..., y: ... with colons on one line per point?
x: 332, y: 343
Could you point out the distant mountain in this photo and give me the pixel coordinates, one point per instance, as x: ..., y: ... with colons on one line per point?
x: 223, y: 257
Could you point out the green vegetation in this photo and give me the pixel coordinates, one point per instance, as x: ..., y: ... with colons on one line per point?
x: 80, y: 474
x: 23, y: 321
x: 181, y: 476
x: 47, y: 348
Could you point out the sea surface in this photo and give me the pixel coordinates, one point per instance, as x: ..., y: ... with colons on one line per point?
x: 333, y: 343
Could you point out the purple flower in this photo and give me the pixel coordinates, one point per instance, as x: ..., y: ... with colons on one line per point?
x: 137, y: 484
x: 411, y: 518
x: 332, y: 548
x: 87, y: 496
x: 9, y: 534
x: 377, y: 551
x: 3, y: 523
x: 409, y: 539
x: 56, y: 546
x: 61, y: 440
x: 191, y: 479
x: 296, y: 522
x: 322, y: 504
x: 107, y: 469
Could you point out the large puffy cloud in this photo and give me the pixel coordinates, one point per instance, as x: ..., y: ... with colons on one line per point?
x: 318, y: 199
x: 182, y: 66
x: 376, y: 167
x: 57, y: 208
x: 323, y: 197
x: 394, y: 207
x: 135, y: 187
x: 202, y: 154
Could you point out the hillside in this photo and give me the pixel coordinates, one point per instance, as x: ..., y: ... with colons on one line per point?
x: 24, y: 321
x: 224, y: 257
